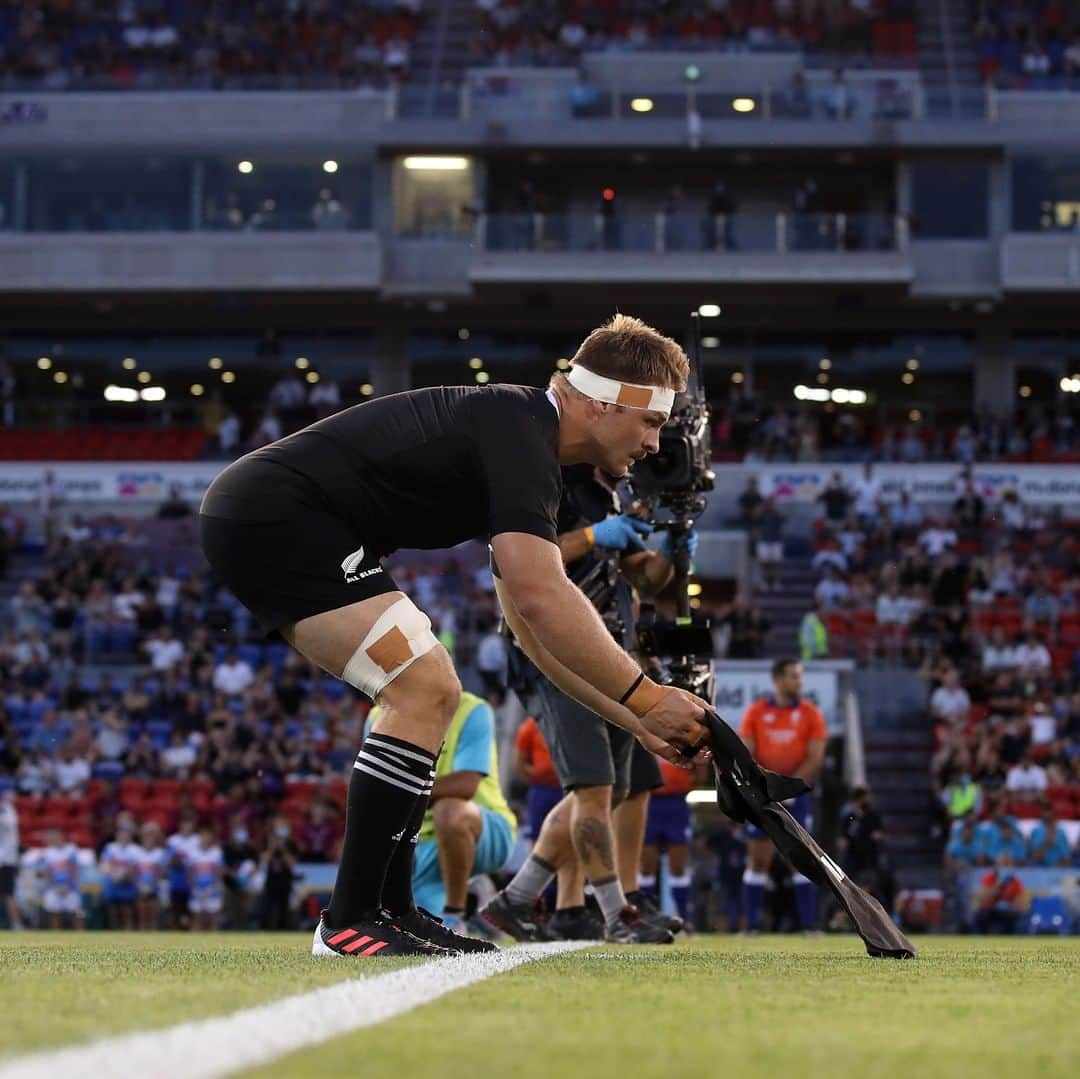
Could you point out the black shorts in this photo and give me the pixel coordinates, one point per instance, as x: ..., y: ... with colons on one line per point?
x: 7, y: 881
x: 645, y: 772
x: 302, y: 564
x: 586, y: 750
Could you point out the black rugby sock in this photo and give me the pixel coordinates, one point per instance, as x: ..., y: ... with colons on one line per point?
x: 389, y: 777
x: 397, y: 894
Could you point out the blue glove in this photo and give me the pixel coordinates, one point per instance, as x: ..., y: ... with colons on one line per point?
x: 622, y: 533
x: 691, y: 544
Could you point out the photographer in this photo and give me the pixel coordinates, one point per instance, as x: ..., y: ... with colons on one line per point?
x: 606, y: 557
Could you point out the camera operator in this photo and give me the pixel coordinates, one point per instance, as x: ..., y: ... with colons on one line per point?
x: 605, y: 555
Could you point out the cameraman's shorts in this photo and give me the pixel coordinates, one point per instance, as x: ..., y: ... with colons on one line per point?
x: 586, y: 750
x: 645, y: 772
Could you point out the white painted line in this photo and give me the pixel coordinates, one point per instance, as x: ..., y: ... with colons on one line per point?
x: 245, y: 1039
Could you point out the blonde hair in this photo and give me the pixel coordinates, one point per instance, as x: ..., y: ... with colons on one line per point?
x: 629, y: 350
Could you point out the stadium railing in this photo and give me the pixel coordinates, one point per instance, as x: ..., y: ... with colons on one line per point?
x: 683, y: 231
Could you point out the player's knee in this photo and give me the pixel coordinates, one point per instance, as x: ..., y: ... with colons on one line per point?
x: 596, y: 801
x: 453, y: 816
x: 429, y: 685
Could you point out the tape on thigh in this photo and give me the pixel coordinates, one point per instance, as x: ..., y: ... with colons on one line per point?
x: 400, y: 636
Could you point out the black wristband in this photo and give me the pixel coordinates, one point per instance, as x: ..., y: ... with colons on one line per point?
x: 630, y: 692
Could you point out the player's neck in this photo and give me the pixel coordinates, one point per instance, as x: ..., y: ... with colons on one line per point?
x: 786, y: 700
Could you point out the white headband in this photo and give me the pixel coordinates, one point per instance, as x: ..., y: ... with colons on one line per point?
x: 628, y: 394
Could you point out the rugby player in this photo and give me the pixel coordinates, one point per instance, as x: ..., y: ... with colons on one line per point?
x: 297, y: 531
x: 785, y: 733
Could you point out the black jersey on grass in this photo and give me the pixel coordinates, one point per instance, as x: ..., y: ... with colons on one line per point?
x: 425, y: 469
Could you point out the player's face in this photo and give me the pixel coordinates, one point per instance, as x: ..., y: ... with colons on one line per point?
x: 626, y: 435
x: 790, y: 683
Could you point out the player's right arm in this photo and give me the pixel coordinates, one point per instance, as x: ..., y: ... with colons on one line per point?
x: 563, y: 635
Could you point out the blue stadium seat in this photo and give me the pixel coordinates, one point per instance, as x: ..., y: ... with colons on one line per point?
x: 160, y: 728
x: 251, y: 653
x: 122, y: 639
x: 333, y: 688
x: 220, y: 652
x: 39, y: 707
x: 108, y: 770
x: 1048, y: 914
x: 276, y: 654
x: 97, y: 639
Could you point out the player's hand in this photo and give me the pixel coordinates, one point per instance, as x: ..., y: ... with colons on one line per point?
x: 622, y: 533
x: 692, y: 540
x: 672, y: 754
x: 678, y: 718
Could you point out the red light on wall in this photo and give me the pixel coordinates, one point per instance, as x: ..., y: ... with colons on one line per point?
x: 609, y: 194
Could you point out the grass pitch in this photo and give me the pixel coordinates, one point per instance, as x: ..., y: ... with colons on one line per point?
x: 709, y: 1006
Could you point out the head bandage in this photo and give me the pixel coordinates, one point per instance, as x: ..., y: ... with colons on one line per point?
x: 400, y: 636
x: 614, y: 392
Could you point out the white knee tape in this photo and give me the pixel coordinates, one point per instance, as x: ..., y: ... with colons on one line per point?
x: 400, y: 636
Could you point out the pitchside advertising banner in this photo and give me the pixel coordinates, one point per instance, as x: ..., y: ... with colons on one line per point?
x: 135, y: 482
x: 1046, y: 485
x: 740, y: 683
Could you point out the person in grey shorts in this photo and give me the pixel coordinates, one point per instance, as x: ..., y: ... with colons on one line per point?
x: 605, y: 556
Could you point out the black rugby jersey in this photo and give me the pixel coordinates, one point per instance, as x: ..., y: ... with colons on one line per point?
x: 425, y: 469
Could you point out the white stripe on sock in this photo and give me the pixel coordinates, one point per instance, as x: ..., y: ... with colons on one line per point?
x: 387, y: 779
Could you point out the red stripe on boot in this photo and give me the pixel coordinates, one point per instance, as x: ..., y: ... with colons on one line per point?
x: 353, y: 945
x: 376, y: 947
x: 337, y: 938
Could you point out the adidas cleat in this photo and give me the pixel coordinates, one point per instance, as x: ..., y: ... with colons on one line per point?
x: 632, y: 927
x: 374, y: 935
x: 649, y: 908
x: 423, y: 924
x: 516, y: 920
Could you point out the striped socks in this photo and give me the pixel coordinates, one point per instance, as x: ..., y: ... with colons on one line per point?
x: 390, y: 778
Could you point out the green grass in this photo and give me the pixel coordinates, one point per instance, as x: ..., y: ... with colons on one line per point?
x: 725, y: 1007
x: 62, y: 988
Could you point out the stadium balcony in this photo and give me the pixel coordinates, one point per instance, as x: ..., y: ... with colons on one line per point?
x: 863, y: 248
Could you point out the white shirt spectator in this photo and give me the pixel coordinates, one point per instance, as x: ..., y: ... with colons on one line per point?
x: 832, y: 592
x: 9, y: 832
x: 1033, y: 656
x: 168, y: 591
x: 229, y: 433
x: 892, y: 610
x: 78, y: 532
x: 949, y: 703
x: 999, y: 657
x: 867, y: 493
x: 827, y: 557
x: 70, y: 775
x: 269, y: 430
x: 233, y: 678
x: 1043, y: 726
x: 125, y: 604
x: 491, y: 654
x: 177, y: 758
x: 1013, y: 515
x: 1026, y: 778
x: 325, y: 393
x: 936, y: 541
x: 287, y: 392
x: 850, y: 540
x: 164, y: 654
x: 573, y: 35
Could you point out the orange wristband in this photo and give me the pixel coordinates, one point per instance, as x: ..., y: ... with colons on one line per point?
x: 644, y: 697
x: 589, y: 536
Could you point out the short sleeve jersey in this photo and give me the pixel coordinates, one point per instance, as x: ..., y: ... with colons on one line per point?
x: 781, y: 735
x: 425, y: 469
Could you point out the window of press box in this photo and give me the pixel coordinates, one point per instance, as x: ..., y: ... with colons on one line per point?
x: 251, y: 194
x: 950, y: 199
x: 1046, y: 193
x: 108, y: 193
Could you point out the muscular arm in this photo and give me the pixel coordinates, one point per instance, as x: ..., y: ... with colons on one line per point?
x: 560, y: 619
x: 570, y: 683
x: 456, y: 785
x: 573, y: 545
x: 811, y: 765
